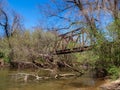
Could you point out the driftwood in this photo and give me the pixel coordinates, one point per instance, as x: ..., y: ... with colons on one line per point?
x: 53, y: 74
x: 67, y: 75
x: 2, y: 63
x: 25, y: 77
x: 37, y: 65
x: 74, y: 69
x: 22, y: 65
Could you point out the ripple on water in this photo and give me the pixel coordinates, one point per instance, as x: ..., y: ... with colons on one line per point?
x: 81, y: 83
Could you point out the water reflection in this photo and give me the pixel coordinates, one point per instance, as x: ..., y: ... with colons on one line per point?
x: 81, y: 83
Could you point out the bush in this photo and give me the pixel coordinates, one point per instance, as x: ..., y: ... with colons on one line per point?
x: 113, y: 71
x: 27, y: 45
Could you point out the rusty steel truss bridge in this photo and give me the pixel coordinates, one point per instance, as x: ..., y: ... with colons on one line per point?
x: 77, y: 40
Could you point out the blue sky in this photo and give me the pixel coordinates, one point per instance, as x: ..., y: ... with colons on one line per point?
x: 31, y: 13
x: 28, y: 9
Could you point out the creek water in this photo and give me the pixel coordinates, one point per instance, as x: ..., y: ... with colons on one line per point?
x: 81, y: 83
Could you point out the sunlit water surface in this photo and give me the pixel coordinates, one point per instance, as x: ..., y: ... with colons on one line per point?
x: 82, y: 83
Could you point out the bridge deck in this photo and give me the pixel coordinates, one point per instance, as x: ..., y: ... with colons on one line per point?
x: 74, y: 50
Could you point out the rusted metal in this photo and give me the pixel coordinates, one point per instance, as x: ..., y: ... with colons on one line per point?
x: 78, y: 38
x: 74, y: 50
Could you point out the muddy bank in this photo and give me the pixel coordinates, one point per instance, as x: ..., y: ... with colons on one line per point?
x: 113, y: 85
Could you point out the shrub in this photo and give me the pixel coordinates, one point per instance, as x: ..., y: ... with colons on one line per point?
x: 113, y: 71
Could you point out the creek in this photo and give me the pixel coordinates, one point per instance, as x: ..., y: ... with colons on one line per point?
x: 81, y: 83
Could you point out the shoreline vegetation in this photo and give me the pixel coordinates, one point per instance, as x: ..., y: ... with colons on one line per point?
x: 82, y: 19
x: 77, y: 63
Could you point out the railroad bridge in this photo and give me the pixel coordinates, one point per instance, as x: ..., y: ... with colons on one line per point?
x: 77, y: 40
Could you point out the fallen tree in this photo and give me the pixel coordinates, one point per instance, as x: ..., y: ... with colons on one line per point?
x: 26, y: 77
x: 22, y: 65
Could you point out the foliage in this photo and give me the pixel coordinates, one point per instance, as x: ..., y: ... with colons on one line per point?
x: 87, y: 57
x: 114, y: 72
x: 108, y: 51
x: 27, y: 46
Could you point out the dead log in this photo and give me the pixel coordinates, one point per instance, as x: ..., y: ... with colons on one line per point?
x: 37, y: 64
x: 22, y: 65
x: 67, y: 75
x: 26, y: 77
x: 2, y: 63
x: 74, y: 69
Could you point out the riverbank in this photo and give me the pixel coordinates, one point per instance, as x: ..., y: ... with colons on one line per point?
x: 111, y: 85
